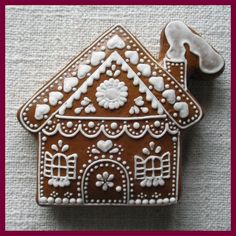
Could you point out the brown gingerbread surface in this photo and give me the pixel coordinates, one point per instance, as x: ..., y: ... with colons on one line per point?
x: 109, y: 125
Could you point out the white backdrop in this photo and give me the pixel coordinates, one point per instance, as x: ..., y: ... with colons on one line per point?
x: 42, y: 40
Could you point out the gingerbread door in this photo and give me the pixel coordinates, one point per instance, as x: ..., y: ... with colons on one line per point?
x: 101, y: 185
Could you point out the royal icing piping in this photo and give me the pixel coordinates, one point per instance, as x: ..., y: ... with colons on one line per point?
x: 133, y: 56
x: 115, y: 42
x: 55, y: 97
x: 83, y: 71
x: 169, y: 94
x: 97, y: 57
x: 177, y: 34
x: 58, y: 162
x: 112, y: 94
x: 40, y: 111
x: 69, y: 84
x: 130, y: 75
x: 158, y: 83
x: 145, y: 69
x: 182, y: 108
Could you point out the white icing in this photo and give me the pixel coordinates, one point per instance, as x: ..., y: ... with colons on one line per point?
x: 104, y: 146
x: 69, y: 83
x: 116, y: 73
x: 158, y: 83
x: 133, y: 56
x: 136, y: 125
x: 85, y: 101
x: 97, y: 57
x: 96, y: 75
x: 177, y: 34
x: 41, y: 110
x: 138, y: 106
x: 109, y: 163
x: 83, y: 70
x: 142, y: 165
x: 139, y: 101
x: 104, y: 180
x: 118, y: 188
x: 55, y: 97
x: 134, y: 110
x: 115, y: 42
x: 69, y: 124
x: 169, y: 94
x: 145, y: 69
x: 114, y: 125
x: 78, y: 110
x: 182, y: 108
x: 109, y: 73
x: 91, y: 124
x: 112, y: 94
x: 102, y: 130
x: 52, y: 171
x: 90, y: 109
x: 144, y: 109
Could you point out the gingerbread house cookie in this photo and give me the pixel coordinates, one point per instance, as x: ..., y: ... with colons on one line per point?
x: 109, y: 125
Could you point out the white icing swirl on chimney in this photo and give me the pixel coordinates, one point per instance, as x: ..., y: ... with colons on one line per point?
x: 177, y: 34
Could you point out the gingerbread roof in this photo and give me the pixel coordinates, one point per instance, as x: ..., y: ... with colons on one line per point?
x: 114, y: 77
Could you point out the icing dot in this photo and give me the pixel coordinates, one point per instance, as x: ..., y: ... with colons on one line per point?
x: 69, y: 124
x: 118, y: 188
x: 157, y: 124
x: 91, y: 124
x: 174, y: 139
x: 50, y: 200
x: 136, y: 125
x: 114, y: 125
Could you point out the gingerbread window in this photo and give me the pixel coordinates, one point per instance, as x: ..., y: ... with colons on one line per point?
x: 152, y: 170
x: 153, y: 167
x: 60, y: 169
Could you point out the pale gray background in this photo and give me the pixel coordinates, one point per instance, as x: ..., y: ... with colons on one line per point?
x: 42, y: 40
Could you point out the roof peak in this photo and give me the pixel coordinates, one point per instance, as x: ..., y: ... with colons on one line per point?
x: 46, y: 102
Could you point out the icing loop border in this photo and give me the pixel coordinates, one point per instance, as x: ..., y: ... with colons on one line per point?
x: 102, y: 130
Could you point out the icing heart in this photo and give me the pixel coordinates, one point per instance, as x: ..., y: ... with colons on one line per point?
x: 182, y: 108
x: 139, y: 101
x: 83, y: 70
x: 85, y: 101
x: 69, y: 83
x: 157, y: 82
x: 97, y: 57
x: 104, y: 145
x: 55, y: 97
x: 133, y: 56
x: 90, y: 108
x: 115, y: 42
x: 40, y: 111
x: 169, y: 94
x: 145, y: 69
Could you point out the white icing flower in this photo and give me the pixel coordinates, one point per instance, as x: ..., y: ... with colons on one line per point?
x: 111, y: 94
x: 105, y: 180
